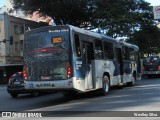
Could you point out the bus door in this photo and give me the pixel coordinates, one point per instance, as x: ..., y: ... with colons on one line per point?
x: 87, y: 64
x: 120, y: 63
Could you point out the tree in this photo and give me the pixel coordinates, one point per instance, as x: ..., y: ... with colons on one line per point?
x: 148, y: 40
x: 123, y: 17
x: 74, y: 12
x: 118, y: 18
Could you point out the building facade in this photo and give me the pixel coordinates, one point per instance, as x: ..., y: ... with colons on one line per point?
x: 11, y: 44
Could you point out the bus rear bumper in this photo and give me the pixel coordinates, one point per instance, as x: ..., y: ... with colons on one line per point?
x: 48, y: 85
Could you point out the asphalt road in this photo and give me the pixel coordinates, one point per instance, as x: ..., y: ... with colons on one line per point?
x: 141, y: 99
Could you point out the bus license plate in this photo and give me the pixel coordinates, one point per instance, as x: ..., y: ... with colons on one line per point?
x: 45, y: 77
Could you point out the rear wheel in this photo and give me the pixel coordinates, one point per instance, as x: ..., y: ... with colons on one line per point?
x: 105, y: 85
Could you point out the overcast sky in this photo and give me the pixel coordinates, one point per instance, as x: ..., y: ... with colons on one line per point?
x: 154, y: 2
x: 2, y: 2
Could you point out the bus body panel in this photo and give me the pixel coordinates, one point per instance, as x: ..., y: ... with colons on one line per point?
x: 49, y: 85
x: 83, y: 68
x: 100, y: 68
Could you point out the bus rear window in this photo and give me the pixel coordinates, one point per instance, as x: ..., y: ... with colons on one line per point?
x: 46, y: 40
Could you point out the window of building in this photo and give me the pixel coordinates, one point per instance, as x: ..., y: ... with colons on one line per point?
x: 16, y: 47
x: 21, y: 45
x: 18, y: 29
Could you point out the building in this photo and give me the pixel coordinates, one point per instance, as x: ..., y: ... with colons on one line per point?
x: 11, y: 44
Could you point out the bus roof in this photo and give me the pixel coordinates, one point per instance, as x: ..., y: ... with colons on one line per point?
x: 87, y: 32
x: 103, y: 37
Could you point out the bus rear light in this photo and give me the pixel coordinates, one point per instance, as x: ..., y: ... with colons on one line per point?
x: 69, y: 70
x: 159, y: 67
x: 25, y: 72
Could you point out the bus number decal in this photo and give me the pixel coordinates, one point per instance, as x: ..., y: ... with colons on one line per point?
x: 57, y: 39
x: 78, y: 64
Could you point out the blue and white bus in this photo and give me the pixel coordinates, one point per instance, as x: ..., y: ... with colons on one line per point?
x: 72, y: 60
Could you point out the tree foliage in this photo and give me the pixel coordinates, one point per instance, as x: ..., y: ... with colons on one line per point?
x: 74, y: 12
x: 148, y: 40
x: 122, y: 17
x: 130, y: 18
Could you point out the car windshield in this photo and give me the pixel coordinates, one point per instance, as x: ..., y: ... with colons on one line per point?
x: 152, y: 59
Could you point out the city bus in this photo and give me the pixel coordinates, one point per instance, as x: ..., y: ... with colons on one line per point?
x: 73, y: 60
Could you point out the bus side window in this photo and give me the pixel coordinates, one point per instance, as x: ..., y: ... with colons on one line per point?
x: 77, y: 45
x: 132, y: 54
x: 137, y: 56
x: 98, y: 49
x: 126, y: 53
x: 108, y: 50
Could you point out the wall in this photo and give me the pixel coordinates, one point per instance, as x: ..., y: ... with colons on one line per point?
x: 2, y: 36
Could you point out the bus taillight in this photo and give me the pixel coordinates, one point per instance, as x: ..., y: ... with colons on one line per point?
x: 25, y: 72
x: 159, y: 67
x: 69, y: 70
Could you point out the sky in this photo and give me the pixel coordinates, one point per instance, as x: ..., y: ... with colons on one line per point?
x: 2, y: 3
x: 153, y: 2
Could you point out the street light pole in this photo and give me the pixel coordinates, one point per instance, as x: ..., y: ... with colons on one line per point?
x: 4, y: 41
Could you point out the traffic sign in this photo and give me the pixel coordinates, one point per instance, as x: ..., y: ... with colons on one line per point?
x: 156, y: 11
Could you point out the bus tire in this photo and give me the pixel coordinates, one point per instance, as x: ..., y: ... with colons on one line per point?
x: 105, y: 85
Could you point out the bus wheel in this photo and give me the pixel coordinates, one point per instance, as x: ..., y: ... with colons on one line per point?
x: 105, y: 85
